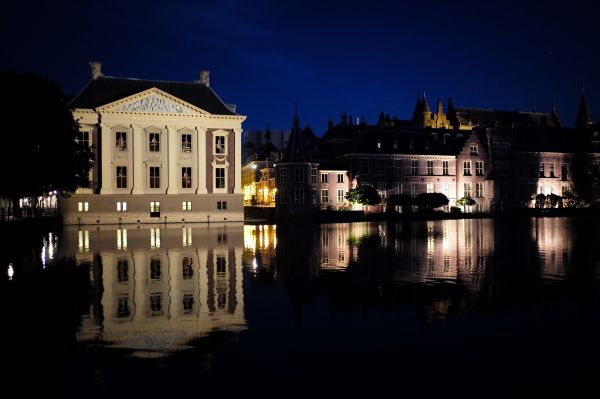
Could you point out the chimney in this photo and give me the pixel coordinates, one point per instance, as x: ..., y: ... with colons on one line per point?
x: 96, y: 69
x: 205, y: 78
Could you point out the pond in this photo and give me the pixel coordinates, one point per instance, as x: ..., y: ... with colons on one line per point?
x: 493, y: 307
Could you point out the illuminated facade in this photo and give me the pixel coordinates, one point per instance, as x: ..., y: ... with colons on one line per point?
x: 259, y: 178
x: 165, y: 152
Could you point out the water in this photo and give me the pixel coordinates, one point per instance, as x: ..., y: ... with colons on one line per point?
x: 454, y: 308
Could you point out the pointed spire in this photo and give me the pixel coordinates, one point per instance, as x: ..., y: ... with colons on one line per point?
x: 583, y: 119
x: 440, y: 107
x: 417, y: 113
x: 426, y: 108
x: 295, y: 150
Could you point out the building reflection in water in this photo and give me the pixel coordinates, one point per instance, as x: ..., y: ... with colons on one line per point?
x: 152, y: 290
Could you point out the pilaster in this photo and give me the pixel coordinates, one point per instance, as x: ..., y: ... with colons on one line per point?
x: 201, y: 142
x: 139, y: 183
x: 107, y: 155
x: 238, y: 161
x: 174, y: 168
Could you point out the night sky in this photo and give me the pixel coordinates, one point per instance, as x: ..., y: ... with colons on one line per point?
x: 362, y: 57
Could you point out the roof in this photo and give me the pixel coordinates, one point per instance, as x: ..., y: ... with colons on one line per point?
x: 296, y: 149
x: 106, y: 89
x: 499, y: 118
x: 264, y: 152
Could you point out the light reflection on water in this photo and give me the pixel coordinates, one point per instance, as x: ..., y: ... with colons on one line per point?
x: 327, y: 298
x: 155, y: 289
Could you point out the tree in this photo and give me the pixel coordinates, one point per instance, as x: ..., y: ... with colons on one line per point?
x: 552, y: 200
x: 364, y: 195
x: 431, y: 200
x: 39, y: 128
x: 465, y: 201
x: 540, y: 201
x: 402, y: 200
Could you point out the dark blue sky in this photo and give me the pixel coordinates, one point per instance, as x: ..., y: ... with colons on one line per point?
x: 363, y: 57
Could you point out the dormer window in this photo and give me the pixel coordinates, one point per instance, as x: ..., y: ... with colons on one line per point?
x: 474, y: 150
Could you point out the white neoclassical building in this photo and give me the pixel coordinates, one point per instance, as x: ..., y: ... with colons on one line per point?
x: 165, y: 152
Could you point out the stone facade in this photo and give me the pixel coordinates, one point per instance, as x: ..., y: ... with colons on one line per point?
x: 159, y: 157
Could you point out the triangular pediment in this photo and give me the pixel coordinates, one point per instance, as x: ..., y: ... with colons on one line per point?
x: 152, y: 101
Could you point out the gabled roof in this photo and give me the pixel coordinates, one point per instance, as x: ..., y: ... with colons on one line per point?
x: 106, y: 89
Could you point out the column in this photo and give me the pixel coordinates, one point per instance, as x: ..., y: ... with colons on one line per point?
x: 238, y: 161
x: 201, y: 140
x: 174, y: 167
x: 139, y: 181
x: 106, y: 162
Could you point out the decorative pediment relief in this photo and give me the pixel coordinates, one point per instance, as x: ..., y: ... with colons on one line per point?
x: 153, y: 104
x: 152, y: 101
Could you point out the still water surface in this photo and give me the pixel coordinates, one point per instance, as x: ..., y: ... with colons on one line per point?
x: 455, y: 308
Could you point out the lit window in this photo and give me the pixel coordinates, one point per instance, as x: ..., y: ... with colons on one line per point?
x: 220, y: 145
x: 541, y: 169
x: 324, y: 177
x: 121, y: 176
x: 121, y: 141
x: 467, y: 189
x: 479, y: 190
x: 154, y: 141
x: 154, y: 207
x: 186, y: 143
x: 186, y: 205
x: 121, y: 206
x: 446, y: 189
x: 430, y: 168
x: 83, y: 206
x: 379, y: 144
x: 186, y: 177
x: 445, y: 168
x: 430, y: 188
x: 474, y: 150
x: 340, y: 196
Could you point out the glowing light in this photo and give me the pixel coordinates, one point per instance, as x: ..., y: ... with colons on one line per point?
x: 122, y: 239
x: 254, y: 264
x: 187, y: 236
x: 11, y: 271
x: 155, y: 237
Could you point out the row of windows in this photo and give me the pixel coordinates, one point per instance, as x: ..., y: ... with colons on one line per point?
x: 154, y: 177
x: 299, y: 176
x: 299, y: 196
x: 479, y: 187
x: 379, y: 167
x: 121, y: 206
x: 187, y: 270
x: 478, y: 168
x: 220, y: 144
